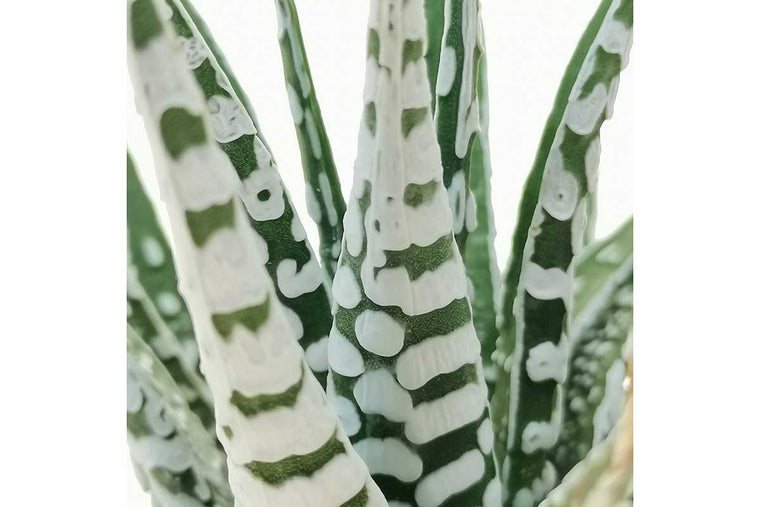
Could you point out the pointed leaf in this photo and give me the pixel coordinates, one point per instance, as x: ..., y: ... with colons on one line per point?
x: 405, y: 368
x: 289, y: 259
x: 547, y: 238
x: 284, y: 452
x: 480, y: 258
x: 457, y: 111
x: 323, y: 193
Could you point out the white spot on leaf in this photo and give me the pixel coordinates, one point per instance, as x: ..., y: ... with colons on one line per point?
x: 264, y: 197
x: 311, y: 129
x: 390, y: 456
x: 548, y: 361
x: 591, y: 161
x: 345, y: 288
x: 295, y: 283
x: 194, y: 50
x: 446, y: 71
x: 538, y: 435
x: 354, y: 232
x: 228, y: 119
x: 377, y: 392
x: 312, y: 205
x: 451, y: 478
x: 379, y: 333
x: 485, y: 436
x: 492, y: 494
x: 295, y: 104
x: 168, y: 303
x: 316, y: 355
x: 559, y: 189
x: 152, y: 251
x: 547, y: 284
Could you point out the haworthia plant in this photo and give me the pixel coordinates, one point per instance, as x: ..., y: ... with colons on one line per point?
x: 532, y: 350
x: 605, y: 476
x: 174, y: 457
x: 593, y: 389
x: 457, y: 110
x: 296, y: 273
x: 284, y: 445
x: 414, y: 289
x: 324, y: 199
x: 480, y: 258
x: 154, y: 306
x: 405, y: 370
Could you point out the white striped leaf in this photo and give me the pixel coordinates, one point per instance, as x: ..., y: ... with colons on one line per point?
x: 457, y: 110
x: 405, y: 369
x: 284, y: 445
x: 480, y: 258
x: 537, y: 308
x: 290, y: 262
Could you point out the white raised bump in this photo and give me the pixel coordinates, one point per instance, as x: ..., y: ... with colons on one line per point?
x: 342, y: 356
x: 450, y: 479
x: 379, y: 333
x: 377, y: 392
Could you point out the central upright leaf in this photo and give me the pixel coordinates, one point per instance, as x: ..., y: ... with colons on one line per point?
x: 405, y: 370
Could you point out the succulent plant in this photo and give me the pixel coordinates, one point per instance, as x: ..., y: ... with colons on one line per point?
x: 398, y: 366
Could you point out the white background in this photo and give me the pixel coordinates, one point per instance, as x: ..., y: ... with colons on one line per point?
x: 529, y: 43
x: 63, y: 248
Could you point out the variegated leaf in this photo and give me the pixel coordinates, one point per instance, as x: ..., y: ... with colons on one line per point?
x: 480, y: 259
x: 405, y: 369
x: 174, y: 457
x: 533, y: 346
x: 457, y: 111
x: 284, y: 444
x: 290, y: 262
x: 155, y: 308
